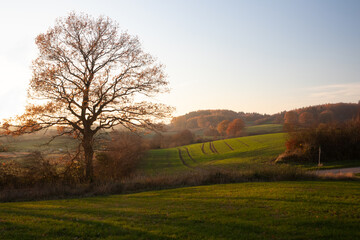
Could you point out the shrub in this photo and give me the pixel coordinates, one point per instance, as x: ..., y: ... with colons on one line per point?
x: 3, y: 148
x: 39, y: 170
x: 235, y: 128
x: 338, y: 141
x: 74, y: 169
x: 211, y: 132
x: 34, y: 170
x: 181, y: 138
x: 121, y: 157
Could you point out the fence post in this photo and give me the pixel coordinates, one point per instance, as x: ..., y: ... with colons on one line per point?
x: 319, y: 163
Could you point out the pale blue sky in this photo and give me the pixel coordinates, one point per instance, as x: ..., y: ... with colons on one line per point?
x: 252, y: 56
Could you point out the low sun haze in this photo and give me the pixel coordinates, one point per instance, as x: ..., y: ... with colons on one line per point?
x: 252, y: 56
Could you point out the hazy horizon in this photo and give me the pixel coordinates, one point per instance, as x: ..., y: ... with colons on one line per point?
x: 249, y: 56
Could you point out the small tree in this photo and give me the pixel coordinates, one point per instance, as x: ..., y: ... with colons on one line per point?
x: 86, y: 76
x: 235, y: 128
x: 306, y: 119
x: 211, y: 132
x: 222, y: 126
x: 290, y: 121
x: 183, y: 137
x: 326, y: 116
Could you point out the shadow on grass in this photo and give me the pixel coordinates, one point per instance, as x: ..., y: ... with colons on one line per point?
x: 184, y: 214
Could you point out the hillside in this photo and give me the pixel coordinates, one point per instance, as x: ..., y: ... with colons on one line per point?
x: 235, y: 152
x: 211, y: 118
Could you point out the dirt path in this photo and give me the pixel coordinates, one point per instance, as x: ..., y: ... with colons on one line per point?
x: 228, y: 146
x: 339, y: 171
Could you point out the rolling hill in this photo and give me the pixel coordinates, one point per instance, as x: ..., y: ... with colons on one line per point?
x: 235, y: 152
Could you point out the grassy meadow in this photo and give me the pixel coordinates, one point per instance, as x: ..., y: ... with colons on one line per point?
x: 270, y: 210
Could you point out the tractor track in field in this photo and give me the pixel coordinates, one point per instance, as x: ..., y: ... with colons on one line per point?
x: 228, y: 146
x: 212, y: 148
x: 242, y: 142
x: 188, y: 153
x: 203, y: 149
x: 182, y: 159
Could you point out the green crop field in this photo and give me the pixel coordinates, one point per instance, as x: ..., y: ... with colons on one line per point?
x: 264, y: 129
x: 235, y: 152
x: 272, y: 210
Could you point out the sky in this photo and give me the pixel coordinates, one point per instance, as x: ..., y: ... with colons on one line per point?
x: 252, y: 56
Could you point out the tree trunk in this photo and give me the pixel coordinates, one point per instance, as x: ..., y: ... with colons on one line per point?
x: 87, y: 144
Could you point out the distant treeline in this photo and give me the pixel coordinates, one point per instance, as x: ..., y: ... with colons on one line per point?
x: 212, y: 118
x: 209, y: 119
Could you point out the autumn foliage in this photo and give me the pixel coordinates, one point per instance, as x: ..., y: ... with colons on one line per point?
x: 222, y: 127
x: 235, y: 128
x: 338, y: 141
x: 87, y: 75
x: 120, y: 157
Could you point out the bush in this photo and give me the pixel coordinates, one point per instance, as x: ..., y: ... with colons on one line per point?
x: 34, y: 170
x: 338, y: 141
x: 3, y: 148
x: 121, y: 157
x: 74, y: 169
x: 39, y: 170
x: 181, y: 138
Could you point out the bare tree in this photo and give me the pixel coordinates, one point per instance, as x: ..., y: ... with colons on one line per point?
x: 85, y: 79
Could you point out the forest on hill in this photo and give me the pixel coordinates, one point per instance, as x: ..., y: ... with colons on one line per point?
x: 209, y: 119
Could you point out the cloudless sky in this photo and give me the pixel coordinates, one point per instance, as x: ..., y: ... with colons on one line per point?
x: 253, y: 56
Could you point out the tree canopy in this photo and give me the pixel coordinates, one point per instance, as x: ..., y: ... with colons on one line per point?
x: 86, y: 78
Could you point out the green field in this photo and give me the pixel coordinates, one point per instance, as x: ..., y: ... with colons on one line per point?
x: 235, y: 152
x: 272, y: 210
x: 264, y: 129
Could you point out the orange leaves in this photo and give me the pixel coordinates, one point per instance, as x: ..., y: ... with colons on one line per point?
x: 89, y: 73
x: 5, y: 128
x: 60, y: 129
x: 235, y: 128
x: 27, y: 126
x: 31, y: 126
x: 33, y: 110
